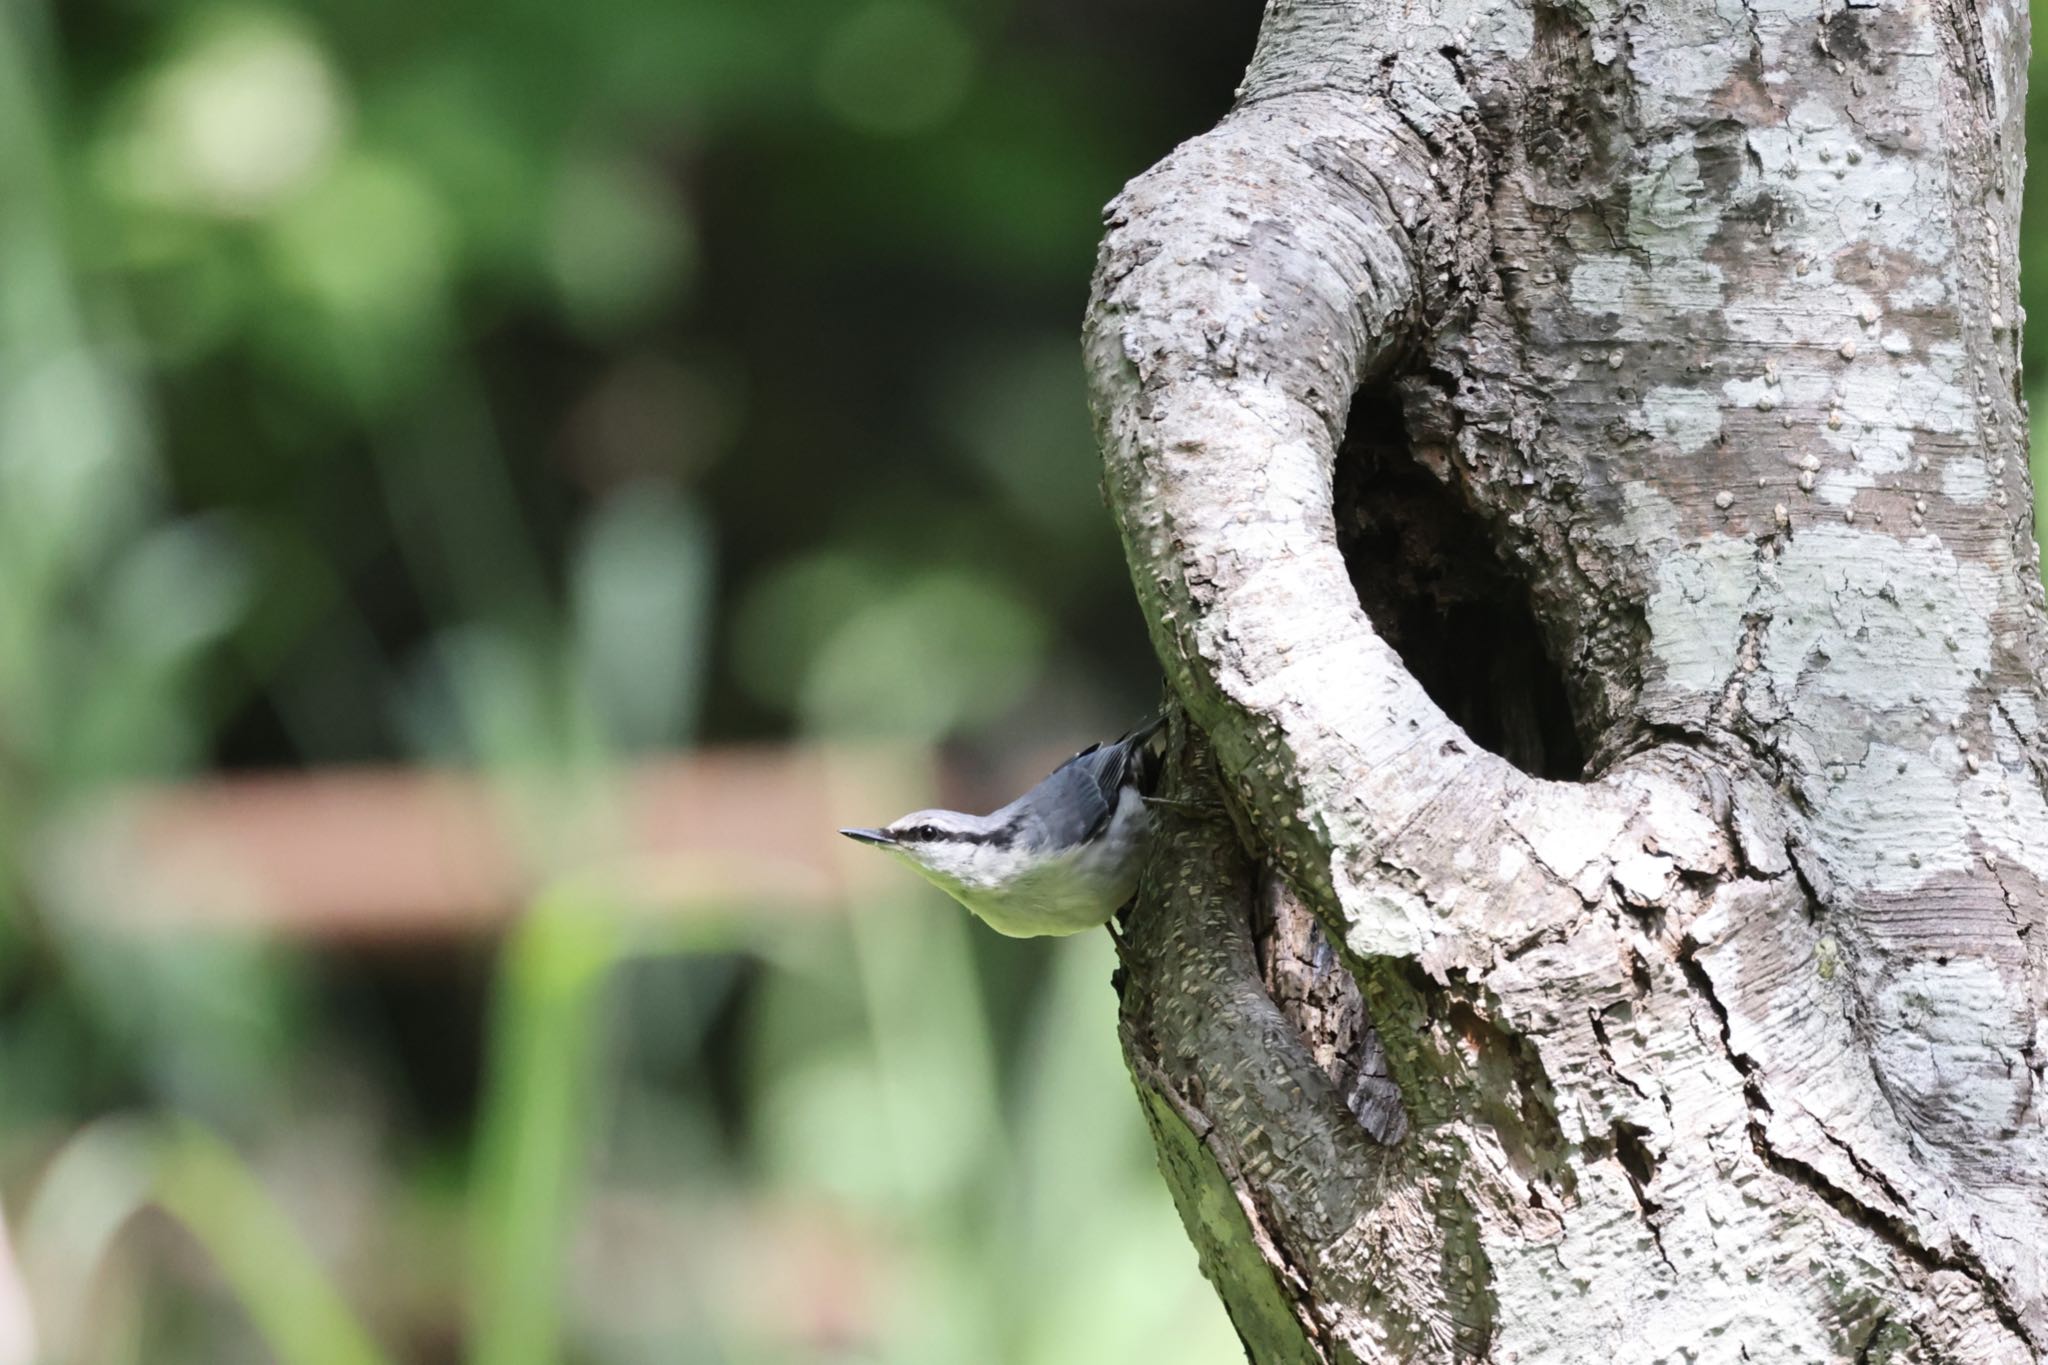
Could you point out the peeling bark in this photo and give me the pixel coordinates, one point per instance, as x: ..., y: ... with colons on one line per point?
x: 1690, y: 332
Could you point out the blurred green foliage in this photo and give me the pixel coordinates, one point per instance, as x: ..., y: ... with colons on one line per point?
x: 526, y: 387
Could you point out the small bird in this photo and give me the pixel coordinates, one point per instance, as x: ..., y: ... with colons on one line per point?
x: 1059, y: 859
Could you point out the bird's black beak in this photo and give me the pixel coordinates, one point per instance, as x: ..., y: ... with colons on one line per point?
x: 870, y: 836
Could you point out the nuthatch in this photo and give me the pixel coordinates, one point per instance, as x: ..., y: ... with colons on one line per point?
x: 1059, y: 859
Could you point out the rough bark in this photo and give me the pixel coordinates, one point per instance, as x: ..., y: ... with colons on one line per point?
x: 1689, y: 332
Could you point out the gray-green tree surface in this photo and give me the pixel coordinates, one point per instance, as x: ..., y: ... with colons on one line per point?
x: 1688, y: 330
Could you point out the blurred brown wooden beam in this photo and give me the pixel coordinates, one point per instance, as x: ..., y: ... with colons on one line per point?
x: 400, y: 854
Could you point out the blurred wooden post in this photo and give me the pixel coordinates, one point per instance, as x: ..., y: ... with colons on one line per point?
x: 403, y: 854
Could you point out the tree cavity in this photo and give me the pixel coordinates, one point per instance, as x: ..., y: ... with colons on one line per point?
x: 1436, y: 590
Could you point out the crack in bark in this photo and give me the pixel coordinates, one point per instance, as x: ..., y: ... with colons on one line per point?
x: 1756, y: 41
x: 1731, y: 711
x: 1625, y: 1135
x: 1322, y: 1000
x: 1594, y: 1016
x: 1863, y: 1167
x: 2029, y: 744
x: 1973, y: 57
x: 1814, y: 902
x: 1890, y: 1228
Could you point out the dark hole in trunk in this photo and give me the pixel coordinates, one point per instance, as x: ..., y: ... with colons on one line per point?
x: 1435, y: 589
x: 1634, y: 1153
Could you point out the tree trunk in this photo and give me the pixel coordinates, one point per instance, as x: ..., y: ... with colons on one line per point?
x: 1572, y: 460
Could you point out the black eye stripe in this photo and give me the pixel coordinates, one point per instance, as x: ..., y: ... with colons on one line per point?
x: 933, y: 834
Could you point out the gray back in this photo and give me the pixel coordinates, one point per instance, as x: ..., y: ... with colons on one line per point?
x: 1075, y: 803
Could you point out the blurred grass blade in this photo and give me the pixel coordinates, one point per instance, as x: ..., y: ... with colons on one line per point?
x: 205, y: 1186
x: 641, y: 587
x: 17, y: 1321
x: 532, y: 1144
x: 112, y: 1169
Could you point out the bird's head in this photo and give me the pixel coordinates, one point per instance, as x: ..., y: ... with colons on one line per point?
x: 958, y: 852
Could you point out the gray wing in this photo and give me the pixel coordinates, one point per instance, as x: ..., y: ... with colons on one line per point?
x: 1074, y: 804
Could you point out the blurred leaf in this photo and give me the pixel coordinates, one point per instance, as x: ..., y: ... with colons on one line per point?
x: 787, y: 615
x: 207, y: 1022
x: 168, y: 596
x: 896, y: 66
x: 106, y: 1173
x: 825, y: 1127
x: 70, y: 481
x: 455, y: 116
x: 369, y: 243
x: 203, y: 1184
x: 942, y: 652
x: 641, y: 587
x: 495, y: 698
x: 243, y: 116
x: 619, y: 245
x: 535, y: 1126
x: 828, y: 637
x: 1086, y: 1176
x: 1022, y: 413
x: 190, y: 287
x: 902, y: 1117
x: 549, y: 1071
x: 180, y: 586
x: 709, y: 63
x: 92, y: 1186
x: 370, y: 248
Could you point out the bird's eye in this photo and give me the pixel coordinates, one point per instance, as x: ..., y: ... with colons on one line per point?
x: 927, y: 831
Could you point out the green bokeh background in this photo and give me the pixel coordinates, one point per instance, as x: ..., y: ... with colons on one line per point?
x: 531, y: 388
